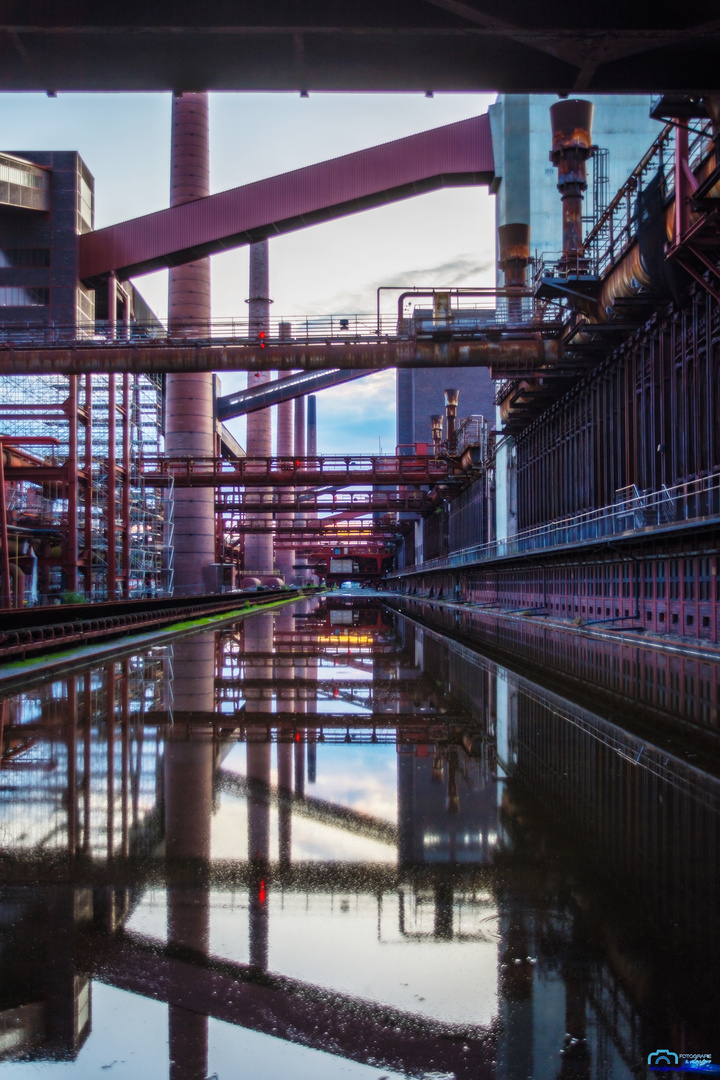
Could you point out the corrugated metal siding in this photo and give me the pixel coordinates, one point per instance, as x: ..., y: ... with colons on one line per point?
x: 453, y: 154
x: 435, y: 534
x: 467, y: 524
x: 406, y: 552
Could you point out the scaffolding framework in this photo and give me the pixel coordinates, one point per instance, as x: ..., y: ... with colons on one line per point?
x: 99, y: 531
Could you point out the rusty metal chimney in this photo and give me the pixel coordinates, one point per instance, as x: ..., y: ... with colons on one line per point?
x: 436, y: 423
x: 514, y: 252
x: 571, y: 122
x: 451, y: 406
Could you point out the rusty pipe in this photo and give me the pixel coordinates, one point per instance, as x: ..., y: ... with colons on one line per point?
x: 451, y: 407
x: 496, y: 291
x: 571, y: 122
x: 526, y: 351
x: 436, y: 423
x: 513, y: 260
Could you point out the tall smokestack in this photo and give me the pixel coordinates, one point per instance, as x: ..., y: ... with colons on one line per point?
x: 189, y: 418
x: 285, y: 557
x: 571, y: 122
x: 451, y: 406
x: 259, y: 546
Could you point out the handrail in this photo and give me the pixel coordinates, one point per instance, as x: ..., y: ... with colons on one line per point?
x: 691, y: 501
x: 305, y: 330
x: 615, y: 230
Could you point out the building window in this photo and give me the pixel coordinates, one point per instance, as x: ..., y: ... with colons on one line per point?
x: 24, y: 257
x: 15, y: 174
x: 674, y: 579
x: 704, y: 579
x: 85, y: 202
x: 17, y: 296
x: 648, y: 581
x: 688, y: 579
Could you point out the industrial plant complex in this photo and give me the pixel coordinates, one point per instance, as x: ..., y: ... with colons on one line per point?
x: 403, y: 764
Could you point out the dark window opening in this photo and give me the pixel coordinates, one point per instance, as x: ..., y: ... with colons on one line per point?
x: 24, y: 257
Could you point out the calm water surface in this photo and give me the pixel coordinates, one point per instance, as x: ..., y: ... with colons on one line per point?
x: 334, y: 842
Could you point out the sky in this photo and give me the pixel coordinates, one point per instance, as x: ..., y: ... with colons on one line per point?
x: 443, y: 238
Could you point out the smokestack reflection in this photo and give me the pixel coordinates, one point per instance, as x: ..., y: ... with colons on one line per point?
x: 258, y: 636
x: 188, y: 813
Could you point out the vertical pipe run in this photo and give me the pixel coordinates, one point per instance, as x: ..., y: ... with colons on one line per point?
x: 190, y: 423
x: 451, y: 407
x: 571, y: 147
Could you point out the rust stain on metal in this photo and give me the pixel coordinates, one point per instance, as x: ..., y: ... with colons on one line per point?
x: 530, y: 351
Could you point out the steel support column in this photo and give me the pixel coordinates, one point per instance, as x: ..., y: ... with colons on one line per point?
x: 190, y: 424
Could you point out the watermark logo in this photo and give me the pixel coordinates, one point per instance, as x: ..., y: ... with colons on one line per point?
x: 661, y: 1060
x: 667, y: 1061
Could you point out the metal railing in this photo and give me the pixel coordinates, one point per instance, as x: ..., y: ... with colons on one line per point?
x: 633, y: 512
x: 473, y: 432
x: 616, y: 228
x: 305, y: 330
x: 411, y: 469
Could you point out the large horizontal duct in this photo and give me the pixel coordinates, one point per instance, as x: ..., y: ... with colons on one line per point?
x: 507, y: 357
x: 279, y: 390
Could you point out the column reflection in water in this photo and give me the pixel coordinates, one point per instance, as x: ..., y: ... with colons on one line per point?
x: 554, y: 870
x: 284, y: 625
x: 305, y: 702
x: 258, y: 637
x: 188, y: 813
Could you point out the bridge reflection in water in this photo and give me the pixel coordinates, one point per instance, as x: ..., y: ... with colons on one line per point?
x: 336, y: 832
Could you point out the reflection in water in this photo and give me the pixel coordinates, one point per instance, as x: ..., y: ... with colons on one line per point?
x: 334, y: 833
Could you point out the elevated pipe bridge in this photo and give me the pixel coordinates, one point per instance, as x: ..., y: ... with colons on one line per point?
x: 508, y: 351
x: 291, y: 472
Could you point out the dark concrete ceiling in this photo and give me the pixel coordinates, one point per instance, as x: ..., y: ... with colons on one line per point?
x: 391, y: 45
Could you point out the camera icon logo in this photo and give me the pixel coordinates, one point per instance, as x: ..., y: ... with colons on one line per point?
x: 663, y: 1057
